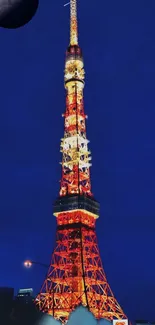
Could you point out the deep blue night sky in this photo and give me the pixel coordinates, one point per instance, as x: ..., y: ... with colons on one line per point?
x: 118, y: 42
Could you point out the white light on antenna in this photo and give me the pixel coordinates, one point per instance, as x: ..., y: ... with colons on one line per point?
x: 66, y: 4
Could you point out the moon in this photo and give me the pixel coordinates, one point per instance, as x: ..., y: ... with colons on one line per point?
x: 17, y: 13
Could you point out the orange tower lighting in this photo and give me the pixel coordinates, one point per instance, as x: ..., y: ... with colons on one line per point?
x: 76, y: 274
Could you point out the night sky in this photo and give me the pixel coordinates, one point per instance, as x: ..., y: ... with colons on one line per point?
x: 118, y: 42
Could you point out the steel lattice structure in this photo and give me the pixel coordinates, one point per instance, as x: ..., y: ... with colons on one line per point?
x: 76, y: 274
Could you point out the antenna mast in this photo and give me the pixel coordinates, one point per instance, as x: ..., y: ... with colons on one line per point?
x: 73, y: 23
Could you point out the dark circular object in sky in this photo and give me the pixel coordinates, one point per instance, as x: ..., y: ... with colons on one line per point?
x: 17, y: 13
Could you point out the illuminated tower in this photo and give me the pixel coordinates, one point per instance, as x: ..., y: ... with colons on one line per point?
x: 76, y: 274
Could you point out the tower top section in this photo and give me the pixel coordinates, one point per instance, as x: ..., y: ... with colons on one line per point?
x: 73, y: 23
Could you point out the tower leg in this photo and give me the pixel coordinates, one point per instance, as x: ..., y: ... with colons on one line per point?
x: 76, y: 277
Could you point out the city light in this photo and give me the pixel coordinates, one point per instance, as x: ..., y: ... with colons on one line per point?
x: 28, y: 264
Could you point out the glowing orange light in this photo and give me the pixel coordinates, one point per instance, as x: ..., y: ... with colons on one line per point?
x: 76, y: 275
x: 27, y: 263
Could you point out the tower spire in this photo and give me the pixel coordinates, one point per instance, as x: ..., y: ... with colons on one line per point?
x: 73, y: 23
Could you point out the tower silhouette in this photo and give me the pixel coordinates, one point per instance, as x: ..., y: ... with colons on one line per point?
x: 76, y: 274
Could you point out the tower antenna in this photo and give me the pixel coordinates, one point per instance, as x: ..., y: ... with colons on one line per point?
x: 73, y: 23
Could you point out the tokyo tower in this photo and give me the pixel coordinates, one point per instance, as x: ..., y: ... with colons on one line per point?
x: 76, y: 274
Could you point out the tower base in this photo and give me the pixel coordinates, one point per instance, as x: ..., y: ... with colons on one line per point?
x: 76, y: 276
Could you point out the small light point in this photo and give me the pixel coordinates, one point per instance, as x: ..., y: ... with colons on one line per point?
x: 28, y: 264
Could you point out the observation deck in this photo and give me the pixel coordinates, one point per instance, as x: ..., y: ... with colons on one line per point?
x: 76, y: 202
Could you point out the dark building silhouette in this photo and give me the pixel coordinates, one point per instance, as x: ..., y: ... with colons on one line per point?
x: 25, y: 296
x: 24, y: 310
x: 6, y: 303
x: 143, y: 322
